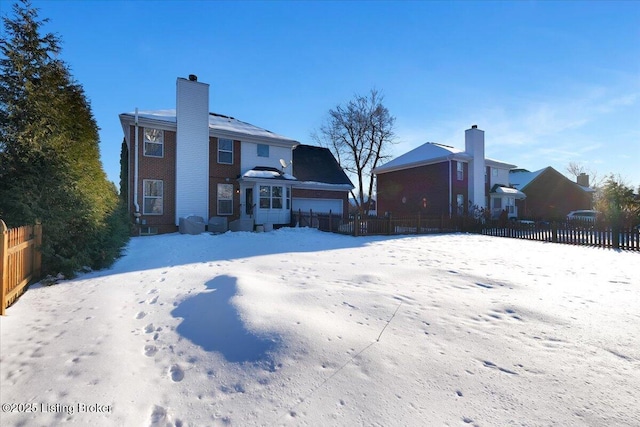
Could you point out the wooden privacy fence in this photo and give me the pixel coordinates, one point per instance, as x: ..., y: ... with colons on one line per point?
x: 21, y: 261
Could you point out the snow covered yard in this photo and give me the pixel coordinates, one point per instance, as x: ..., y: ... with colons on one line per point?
x: 282, y: 328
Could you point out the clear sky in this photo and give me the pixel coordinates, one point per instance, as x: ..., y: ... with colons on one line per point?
x: 549, y: 82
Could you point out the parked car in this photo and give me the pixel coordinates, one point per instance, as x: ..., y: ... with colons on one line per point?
x: 583, y: 215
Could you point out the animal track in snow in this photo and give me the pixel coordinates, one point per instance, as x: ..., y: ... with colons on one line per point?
x: 140, y: 315
x: 153, y: 300
x: 149, y: 328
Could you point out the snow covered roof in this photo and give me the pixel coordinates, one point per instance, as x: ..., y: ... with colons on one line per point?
x: 521, y: 178
x: 265, y: 172
x: 425, y: 154
x: 432, y: 152
x: 219, y: 125
x: 500, y: 190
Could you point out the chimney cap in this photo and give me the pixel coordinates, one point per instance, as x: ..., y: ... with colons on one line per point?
x: 474, y: 126
x: 193, y: 78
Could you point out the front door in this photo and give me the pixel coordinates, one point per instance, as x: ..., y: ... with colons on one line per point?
x: 248, y: 202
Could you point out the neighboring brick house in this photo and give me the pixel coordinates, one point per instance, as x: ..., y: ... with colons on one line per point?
x: 435, y: 179
x: 192, y: 162
x: 550, y: 194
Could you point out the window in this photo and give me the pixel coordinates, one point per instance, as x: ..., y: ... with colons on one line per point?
x: 272, y: 197
x: 460, y: 203
x: 263, y: 150
x: 153, y: 191
x: 460, y: 170
x: 225, y: 151
x: 153, y: 142
x: 288, y: 197
x: 265, y: 197
x: 276, y: 198
x: 225, y: 199
x: 497, y: 203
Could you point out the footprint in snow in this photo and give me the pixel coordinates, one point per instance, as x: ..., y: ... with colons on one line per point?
x: 153, y: 300
x: 150, y: 350
x: 176, y: 373
x: 140, y: 315
x: 149, y: 328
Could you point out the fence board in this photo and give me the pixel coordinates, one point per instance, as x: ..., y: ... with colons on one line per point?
x: 20, y: 261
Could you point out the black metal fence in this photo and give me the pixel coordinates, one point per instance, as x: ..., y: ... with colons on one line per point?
x: 570, y: 232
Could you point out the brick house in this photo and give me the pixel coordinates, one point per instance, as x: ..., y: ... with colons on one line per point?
x: 436, y: 179
x: 550, y: 194
x: 189, y: 161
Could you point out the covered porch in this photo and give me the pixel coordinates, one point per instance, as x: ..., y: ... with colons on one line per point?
x: 503, y: 198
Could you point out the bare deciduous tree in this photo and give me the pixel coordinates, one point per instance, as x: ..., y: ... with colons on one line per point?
x: 576, y: 169
x: 358, y: 134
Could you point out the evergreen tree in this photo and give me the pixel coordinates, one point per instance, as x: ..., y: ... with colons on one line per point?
x: 49, y: 154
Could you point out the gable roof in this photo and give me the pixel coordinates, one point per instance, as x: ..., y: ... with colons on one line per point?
x: 313, y: 164
x: 430, y: 153
x: 425, y: 154
x: 521, y: 178
x: 219, y: 126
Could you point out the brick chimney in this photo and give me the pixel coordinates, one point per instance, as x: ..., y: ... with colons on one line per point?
x: 583, y: 179
x: 474, y: 146
x: 192, y: 148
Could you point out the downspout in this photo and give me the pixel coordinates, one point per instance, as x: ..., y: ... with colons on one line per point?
x: 135, y: 171
x: 450, y: 199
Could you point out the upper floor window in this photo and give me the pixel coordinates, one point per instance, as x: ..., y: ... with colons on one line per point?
x: 460, y: 170
x: 225, y: 151
x: 153, y: 142
x: 263, y: 150
x: 153, y: 195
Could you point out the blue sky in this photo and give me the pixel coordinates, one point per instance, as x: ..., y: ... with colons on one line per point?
x: 548, y: 82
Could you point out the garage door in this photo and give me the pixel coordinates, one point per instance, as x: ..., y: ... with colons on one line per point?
x: 318, y: 205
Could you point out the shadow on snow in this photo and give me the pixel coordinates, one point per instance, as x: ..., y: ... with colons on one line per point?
x: 213, y: 323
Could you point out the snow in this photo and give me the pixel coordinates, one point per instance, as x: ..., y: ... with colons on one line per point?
x: 217, y: 123
x: 432, y: 152
x: 521, y: 179
x: 300, y: 327
x: 267, y: 174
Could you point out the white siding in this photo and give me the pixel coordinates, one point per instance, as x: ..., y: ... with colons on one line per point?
x: 502, y: 178
x: 192, y: 149
x: 249, y: 157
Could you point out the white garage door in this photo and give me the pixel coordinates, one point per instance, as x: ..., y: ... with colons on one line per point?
x: 318, y: 205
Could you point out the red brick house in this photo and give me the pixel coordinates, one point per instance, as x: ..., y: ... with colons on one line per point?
x: 550, y: 194
x: 189, y: 161
x: 435, y: 179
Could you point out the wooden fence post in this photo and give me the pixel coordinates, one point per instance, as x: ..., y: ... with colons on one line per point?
x: 37, y: 250
x: 4, y: 255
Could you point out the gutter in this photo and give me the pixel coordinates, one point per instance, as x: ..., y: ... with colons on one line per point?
x: 135, y: 171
